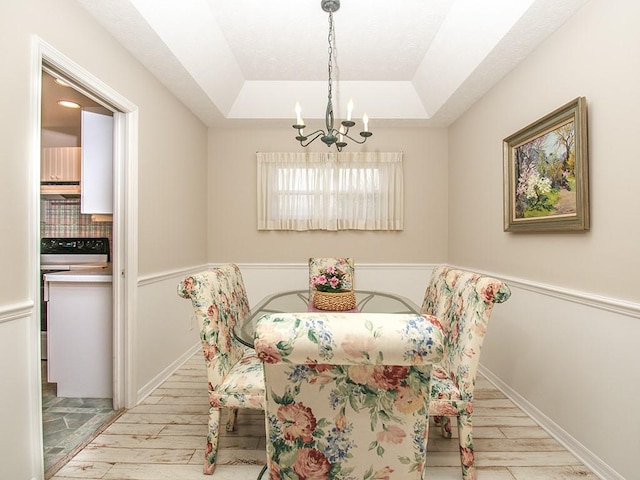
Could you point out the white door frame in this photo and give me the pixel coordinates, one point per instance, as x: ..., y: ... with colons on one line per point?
x: 125, y: 226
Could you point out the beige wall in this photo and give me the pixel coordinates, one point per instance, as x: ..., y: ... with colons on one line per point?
x: 592, y: 55
x: 233, y: 235
x: 172, y: 201
x: 569, y: 360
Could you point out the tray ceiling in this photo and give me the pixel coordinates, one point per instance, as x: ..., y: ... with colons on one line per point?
x: 408, y: 61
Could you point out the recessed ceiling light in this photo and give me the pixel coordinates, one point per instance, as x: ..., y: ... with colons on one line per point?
x: 69, y: 104
x: 61, y: 82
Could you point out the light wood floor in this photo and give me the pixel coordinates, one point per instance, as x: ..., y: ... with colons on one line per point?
x: 164, y: 437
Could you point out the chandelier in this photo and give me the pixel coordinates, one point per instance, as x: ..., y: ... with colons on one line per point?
x: 331, y: 136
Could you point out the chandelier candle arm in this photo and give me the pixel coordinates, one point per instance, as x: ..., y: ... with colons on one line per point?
x: 331, y: 136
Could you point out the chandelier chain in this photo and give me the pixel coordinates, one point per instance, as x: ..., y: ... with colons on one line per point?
x: 330, y: 38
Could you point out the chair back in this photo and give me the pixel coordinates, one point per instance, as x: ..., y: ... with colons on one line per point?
x: 319, y: 264
x: 463, y: 302
x: 219, y: 301
x: 347, y: 393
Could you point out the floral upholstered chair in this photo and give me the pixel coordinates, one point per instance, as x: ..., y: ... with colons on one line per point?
x: 234, y: 372
x: 347, y: 394
x: 318, y: 265
x: 463, y: 302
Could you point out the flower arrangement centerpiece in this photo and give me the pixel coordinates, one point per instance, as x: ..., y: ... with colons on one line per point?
x: 333, y: 290
x: 331, y: 279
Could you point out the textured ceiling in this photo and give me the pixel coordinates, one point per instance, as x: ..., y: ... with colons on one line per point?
x: 407, y: 61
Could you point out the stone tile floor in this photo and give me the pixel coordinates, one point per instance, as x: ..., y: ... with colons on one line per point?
x: 69, y: 422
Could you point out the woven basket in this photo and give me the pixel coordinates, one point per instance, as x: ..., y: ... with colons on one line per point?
x: 336, y: 302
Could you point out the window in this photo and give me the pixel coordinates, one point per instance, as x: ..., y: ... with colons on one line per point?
x: 330, y: 191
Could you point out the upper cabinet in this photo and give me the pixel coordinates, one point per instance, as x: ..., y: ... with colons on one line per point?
x: 97, y: 163
x: 60, y: 164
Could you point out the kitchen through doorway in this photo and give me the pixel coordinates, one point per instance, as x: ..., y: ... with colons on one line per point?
x: 69, y: 422
x: 71, y: 416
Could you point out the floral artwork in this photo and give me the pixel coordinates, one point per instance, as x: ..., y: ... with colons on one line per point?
x: 347, y: 400
x: 545, y: 171
x: 546, y: 181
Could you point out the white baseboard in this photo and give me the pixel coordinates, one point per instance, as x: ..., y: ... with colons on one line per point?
x: 594, y: 463
x: 159, y: 379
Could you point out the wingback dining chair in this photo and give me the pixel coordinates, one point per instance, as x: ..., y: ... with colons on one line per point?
x: 234, y: 372
x: 347, y: 393
x: 463, y: 302
x: 346, y: 264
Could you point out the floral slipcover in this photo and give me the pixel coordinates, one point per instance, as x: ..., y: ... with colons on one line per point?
x: 347, y: 394
x: 463, y: 302
x: 316, y: 264
x: 234, y: 372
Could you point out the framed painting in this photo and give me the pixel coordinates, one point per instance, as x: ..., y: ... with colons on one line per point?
x: 546, y: 178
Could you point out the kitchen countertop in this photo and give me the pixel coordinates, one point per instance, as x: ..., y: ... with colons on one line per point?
x: 89, y: 275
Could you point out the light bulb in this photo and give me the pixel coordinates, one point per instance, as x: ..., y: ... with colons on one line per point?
x: 298, y: 114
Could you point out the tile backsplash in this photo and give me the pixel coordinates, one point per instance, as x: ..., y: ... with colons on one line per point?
x: 62, y: 218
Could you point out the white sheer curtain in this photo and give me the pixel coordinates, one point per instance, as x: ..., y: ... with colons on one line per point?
x: 330, y: 191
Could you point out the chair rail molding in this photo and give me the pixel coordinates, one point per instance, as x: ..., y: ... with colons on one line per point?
x: 16, y: 311
x: 178, y: 274
x: 292, y: 276
x: 609, y: 304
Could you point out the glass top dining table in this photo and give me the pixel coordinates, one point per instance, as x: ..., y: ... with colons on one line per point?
x: 298, y: 301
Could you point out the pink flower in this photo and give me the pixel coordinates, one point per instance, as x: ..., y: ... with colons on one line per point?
x: 356, y: 346
x: 341, y: 421
x: 388, y: 377
x: 188, y: 284
x: 274, y: 470
x: 360, y: 374
x: 311, y: 464
x: 334, y: 282
x: 224, y: 340
x: 435, y: 321
x: 445, y: 410
x: 392, y: 434
x: 318, y: 367
x: 407, y: 401
x: 298, y: 421
x: 467, y: 456
x: 489, y: 292
x: 383, y: 474
x: 210, y: 350
x: 267, y: 352
x: 213, y: 313
x: 266, y: 343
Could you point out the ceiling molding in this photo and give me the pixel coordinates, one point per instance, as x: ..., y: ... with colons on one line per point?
x: 420, y: 62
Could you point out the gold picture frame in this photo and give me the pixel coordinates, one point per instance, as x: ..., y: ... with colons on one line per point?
x: 546, y: 174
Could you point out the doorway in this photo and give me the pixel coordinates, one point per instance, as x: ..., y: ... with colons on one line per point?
x: 123, y: 231
x: 68, y: 422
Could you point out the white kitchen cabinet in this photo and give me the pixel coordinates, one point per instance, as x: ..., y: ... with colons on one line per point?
x: 60, y: 164
x: 97, y: 163
x: 80, y: 334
